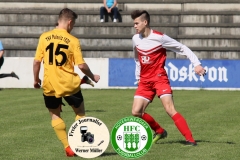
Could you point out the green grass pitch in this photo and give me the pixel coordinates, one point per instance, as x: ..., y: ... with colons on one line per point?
x: 213, y: 116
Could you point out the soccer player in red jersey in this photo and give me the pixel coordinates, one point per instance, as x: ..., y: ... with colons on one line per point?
x: 150, y: 48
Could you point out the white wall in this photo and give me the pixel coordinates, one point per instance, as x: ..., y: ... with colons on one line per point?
x: 23, y: 67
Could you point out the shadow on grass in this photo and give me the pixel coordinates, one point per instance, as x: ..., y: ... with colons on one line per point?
x: 98, y: 110
x: 85, y: 110
x: 108, y: 154
x: 198, y: 141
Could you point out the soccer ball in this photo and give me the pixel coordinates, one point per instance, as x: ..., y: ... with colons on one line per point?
x: 143, y: 137
x: 119, y: 137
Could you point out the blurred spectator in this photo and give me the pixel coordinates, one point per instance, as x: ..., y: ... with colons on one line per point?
x: 109, y: 8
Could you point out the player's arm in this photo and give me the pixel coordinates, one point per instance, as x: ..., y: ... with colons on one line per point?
x: 137, y: 67
x: 78, y: 59
x: 86, y: 70
x: 1, y: 49
x: 37, y: 64
x: 137, y: 64
x: 36, y: 70
x: 1, y: 53
x: 179, y: 48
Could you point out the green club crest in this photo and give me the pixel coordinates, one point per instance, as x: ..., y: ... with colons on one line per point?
x: 131, y: 137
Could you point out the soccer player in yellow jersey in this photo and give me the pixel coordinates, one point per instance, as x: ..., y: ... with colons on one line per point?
x: 60, y: 51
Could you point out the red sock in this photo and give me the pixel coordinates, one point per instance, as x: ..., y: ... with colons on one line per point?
x: 152, y: 123
x: 182, y: 126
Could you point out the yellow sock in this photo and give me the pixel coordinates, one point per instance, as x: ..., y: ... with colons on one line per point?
x: 60, y: 130
x: 79, y: 116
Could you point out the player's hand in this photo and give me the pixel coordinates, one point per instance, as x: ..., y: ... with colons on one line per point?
x: 96, y: 78
x: 200, y: 70
x: 37, y: 83
x: 137, y: 82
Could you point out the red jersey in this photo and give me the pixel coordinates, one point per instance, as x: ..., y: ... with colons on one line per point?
x: 150, y: 54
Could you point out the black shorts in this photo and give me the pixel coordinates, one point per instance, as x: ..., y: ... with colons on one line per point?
x: 52, y: 102
x: 1, y: 61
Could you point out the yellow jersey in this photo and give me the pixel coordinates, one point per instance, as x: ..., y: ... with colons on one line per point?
x: 60, y: 51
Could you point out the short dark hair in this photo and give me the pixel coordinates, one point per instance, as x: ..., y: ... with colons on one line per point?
x: 137, y: 13
x: 67, y: 14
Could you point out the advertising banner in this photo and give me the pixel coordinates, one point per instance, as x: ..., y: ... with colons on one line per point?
x: 221, y: 74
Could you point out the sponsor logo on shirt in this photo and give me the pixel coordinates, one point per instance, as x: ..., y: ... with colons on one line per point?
x: 145, y: 59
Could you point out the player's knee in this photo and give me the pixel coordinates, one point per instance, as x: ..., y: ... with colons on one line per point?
x: 136, y: 114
